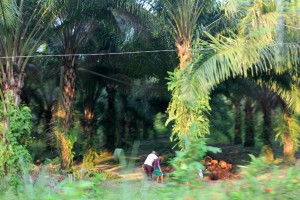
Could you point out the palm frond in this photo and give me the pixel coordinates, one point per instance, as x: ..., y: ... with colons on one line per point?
x: 8, y: 14
x: 183, y: 16
x: 235, y: 56
x: 28, y: 26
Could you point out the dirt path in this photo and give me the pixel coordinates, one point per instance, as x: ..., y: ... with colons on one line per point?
x: 129, y: 174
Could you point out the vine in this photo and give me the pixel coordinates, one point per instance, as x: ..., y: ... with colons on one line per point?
x: 188, y: 113
x: 15, y: 128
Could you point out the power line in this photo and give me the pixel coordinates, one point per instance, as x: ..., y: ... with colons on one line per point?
x: 120, y: 81
x: 117, y: 53
x: 101, y: 75
x: 90, y: 54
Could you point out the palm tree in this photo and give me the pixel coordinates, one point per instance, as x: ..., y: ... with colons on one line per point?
x: 288, y: 131
x: 75, y: 23
x: 183, y: 17
x: 41, y: 93
x: 266, y: 100
x: 22, y: 27
x: 257, y: 45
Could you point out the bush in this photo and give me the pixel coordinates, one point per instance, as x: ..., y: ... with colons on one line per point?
x: 187, y: 163
x: 15, y: 135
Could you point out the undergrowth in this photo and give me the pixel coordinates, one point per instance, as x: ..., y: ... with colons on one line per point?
x: 259, y: 180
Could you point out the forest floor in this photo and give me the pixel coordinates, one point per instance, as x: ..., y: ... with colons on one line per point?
x: 236, y: 155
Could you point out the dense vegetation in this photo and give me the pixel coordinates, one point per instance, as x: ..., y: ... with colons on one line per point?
x: 80, y: 78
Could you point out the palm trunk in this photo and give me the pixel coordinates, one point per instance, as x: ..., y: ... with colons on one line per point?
x: 184, y: 55
x: 249, y: 132
x: 288, y: 142
x: 122, y: 122
x: 288, y: 149
x: 267, y: 132
x: 65, y: 113
x: 66, y: 152
x: 13, y: 86
x: 48, y: 119
x: 68, y: 92
x: 111, y: 117
x: 88, y: 121
x: 11, y: 90
x: 183, y: 52
x: 238, y: 122
x: 51, y: 140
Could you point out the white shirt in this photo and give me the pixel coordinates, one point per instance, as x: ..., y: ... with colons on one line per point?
x: 151, y: 157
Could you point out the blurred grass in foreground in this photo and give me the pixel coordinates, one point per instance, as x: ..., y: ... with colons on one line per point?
x: 259, y: 180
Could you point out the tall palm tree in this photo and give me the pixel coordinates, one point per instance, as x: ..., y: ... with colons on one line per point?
x: 75, y: 23
x: 254, y: 48
x: 288, y: 131
x: 183, y: 17
x: 41, y: 93
x: 22, y: 26
x: 265, y: 38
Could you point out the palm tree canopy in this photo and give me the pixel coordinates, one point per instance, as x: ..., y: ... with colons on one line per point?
x: 266, y: 39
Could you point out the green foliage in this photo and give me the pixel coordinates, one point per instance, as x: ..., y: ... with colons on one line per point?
x: 37, y: 150
x: 189, y: 113
x: 256, y: 167
x: 221, y: 120
x: 266, y: 181
x: 89, y: 159
x: 183, y: 16
x: 257, y: 46
x: 66, y: 141
x: 187, y: 163
x: 47, y: 188
x: 15, y: 132
x: 159, y: 125
x: 263, y: 181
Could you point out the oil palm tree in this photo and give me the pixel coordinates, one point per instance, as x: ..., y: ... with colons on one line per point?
x: 255, y: 46
x: 41, y: 93
x: 289, y: 133
x: 22, y: 27
x: 183, y: 17
x: 75, y: 23
x: 265, y: 39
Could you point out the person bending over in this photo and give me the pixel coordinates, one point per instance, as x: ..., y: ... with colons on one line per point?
x: 148, y: 164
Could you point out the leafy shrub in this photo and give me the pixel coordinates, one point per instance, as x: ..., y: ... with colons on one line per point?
x: 262, y: 180
x: 257, y: 166
x: 89, y: 159
x: 187, y: 163
x: 15, y: 133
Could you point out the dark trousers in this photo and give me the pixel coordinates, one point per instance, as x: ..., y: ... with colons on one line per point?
x: 149, y: 170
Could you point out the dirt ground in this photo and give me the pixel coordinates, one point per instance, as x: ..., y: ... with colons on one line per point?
x: 234, y: 154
